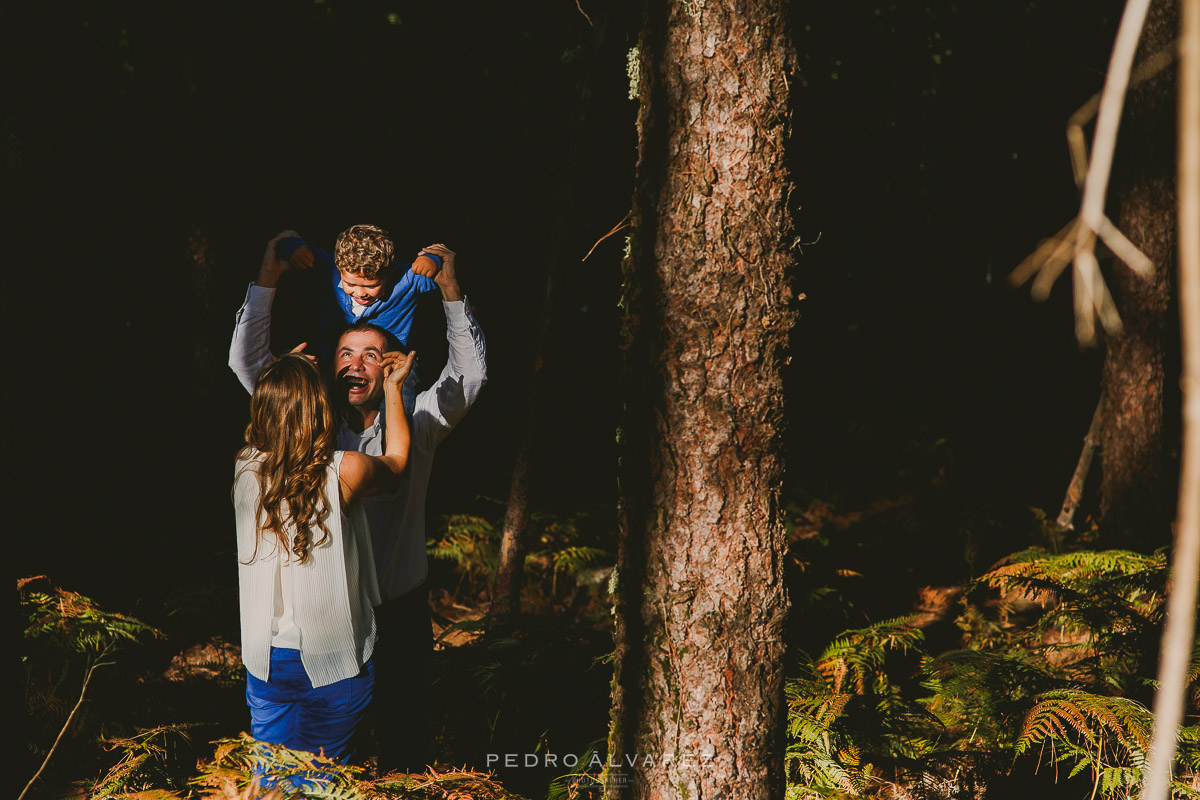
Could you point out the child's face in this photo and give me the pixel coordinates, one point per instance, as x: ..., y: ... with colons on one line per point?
x: 363, y: 291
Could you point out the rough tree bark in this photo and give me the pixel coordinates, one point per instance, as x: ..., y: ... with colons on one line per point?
x: 1136, y: 487
x: 700, y: 602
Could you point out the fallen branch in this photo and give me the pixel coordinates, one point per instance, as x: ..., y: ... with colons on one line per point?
x: 1066, y: 516
x: 87, y: 678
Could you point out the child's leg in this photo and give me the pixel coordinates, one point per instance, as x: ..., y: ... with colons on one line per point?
x: 409, y: 390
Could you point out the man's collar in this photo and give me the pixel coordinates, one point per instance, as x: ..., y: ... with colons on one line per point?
x: 375, y: 427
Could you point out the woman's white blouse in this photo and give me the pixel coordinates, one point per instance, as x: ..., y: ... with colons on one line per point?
x: 327, y: 605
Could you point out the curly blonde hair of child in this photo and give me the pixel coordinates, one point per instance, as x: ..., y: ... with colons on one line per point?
x: 364, y: 250
x: 292, y: 425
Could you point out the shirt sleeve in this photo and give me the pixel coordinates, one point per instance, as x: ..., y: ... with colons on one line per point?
x: 322, y: 259
x: 443, y: 405
x: 423, y: 284
x: 250, y: 349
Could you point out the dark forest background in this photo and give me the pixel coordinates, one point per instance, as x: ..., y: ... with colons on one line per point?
x: 151, y: 150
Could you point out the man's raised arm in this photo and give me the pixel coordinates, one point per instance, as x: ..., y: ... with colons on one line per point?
x: 250, y: 349
x: 465, y: 373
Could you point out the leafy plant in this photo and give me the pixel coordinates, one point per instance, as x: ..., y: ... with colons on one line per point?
x: 472, y: 543
x: 242, y: 766
x: 148, y: 760
x: 1051, y: 667
x: 584, y: 781
x: 64, y: 627
x: 575, y: 545
x: 848, y: 717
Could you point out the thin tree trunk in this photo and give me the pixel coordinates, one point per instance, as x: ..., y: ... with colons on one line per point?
x: 1135, y: 498
x: 510, y: 571
x: 698, y: 684
x: 506, y: 592
x: 1066, y: 516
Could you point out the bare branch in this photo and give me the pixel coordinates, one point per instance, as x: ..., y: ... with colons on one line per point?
x: 1112, y: 99
x: 585, y: 16
x: 1066, y: 516
x: 619, y: 226
x: 87, y: 678
x: 1036, y: 260
x: 1092, y: 298
x: 1124, y: 249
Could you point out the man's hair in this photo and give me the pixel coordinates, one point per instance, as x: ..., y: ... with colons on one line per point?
x: 364, y: 250
x: 390, y: 342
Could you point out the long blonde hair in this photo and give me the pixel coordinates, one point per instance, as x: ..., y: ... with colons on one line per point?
x: 292, y: 426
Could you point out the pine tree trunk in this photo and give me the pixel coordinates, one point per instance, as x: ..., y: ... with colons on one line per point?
x: 1136, y: 486
x: 698, y: 684
x: 510, y: 570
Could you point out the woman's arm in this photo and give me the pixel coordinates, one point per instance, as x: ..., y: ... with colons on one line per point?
x: 362, y: 475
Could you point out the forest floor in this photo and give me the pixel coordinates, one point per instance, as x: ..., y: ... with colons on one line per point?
x: 515, y: 710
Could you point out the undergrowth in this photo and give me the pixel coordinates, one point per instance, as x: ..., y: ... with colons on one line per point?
x: 875, y: 711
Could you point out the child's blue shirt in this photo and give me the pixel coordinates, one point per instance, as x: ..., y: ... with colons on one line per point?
x: 393, y: 310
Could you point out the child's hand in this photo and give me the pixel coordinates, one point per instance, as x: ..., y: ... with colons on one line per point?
x: 396, y: 367
x: 302, y: 258
x: 424, y: 265
x: 272, y: 265
x: 447, y: 277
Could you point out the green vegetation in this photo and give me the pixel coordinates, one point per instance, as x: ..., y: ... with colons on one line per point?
x: 67, y: 638
x: 1054, y: 668
x: 1048, y: 668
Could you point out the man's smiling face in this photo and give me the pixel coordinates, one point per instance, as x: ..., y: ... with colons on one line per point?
x: 358, y: 370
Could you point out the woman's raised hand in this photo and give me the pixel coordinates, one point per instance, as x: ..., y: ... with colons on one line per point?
x: 396, y: 367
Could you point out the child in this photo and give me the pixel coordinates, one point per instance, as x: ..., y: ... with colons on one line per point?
x: 365, y: 285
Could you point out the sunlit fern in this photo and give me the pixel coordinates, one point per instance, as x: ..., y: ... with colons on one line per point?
x: 244, y: 763
x: 1055, y: 685
x: 146, y: 762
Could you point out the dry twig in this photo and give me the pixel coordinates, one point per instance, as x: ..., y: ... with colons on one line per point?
x: 624, y: 223
x: 87, y: 679
x: 1066, y: 516
x: 1076, y: 242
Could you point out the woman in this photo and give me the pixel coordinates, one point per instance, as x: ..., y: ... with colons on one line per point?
x: 305, y: 569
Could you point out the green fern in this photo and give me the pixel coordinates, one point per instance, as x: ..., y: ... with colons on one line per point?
x: 243, y: 763
x: 849, y: 722
x: 1060, y: 683
x: 145, y: 763
x: 68, y: 621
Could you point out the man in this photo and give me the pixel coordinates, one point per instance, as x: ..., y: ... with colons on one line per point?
x: 404, y: 653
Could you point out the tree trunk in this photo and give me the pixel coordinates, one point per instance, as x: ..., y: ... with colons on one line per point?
x: 510, y: 571
x: 1135, y: 489
x: 698, y: 684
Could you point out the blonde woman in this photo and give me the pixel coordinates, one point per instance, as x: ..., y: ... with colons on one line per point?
x: 306, y: 572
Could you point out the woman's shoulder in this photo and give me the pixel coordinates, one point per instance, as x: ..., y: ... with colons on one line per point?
x: 247, y: 461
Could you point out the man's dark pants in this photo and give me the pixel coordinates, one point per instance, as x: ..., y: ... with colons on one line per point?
x: 404, y: 682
